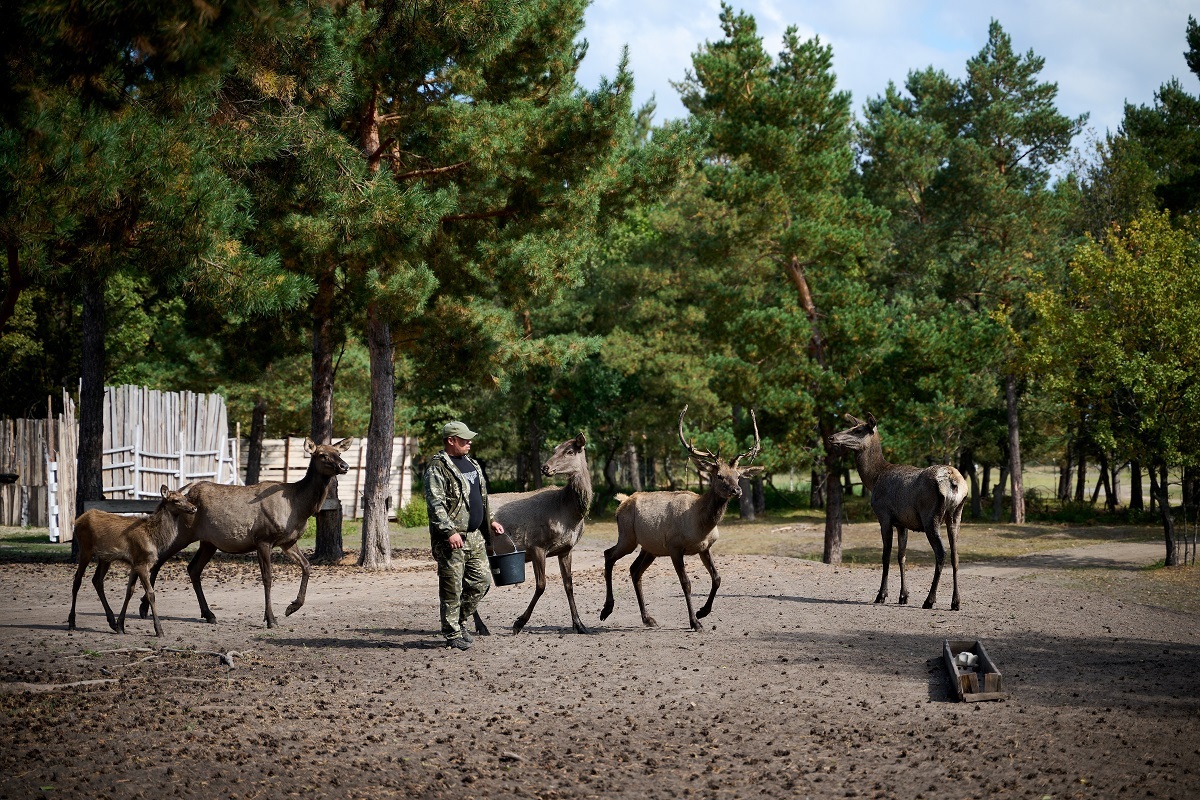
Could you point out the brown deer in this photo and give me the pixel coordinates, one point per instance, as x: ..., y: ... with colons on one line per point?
x: 907, y: 498
x: 244, y: 519
x: 678, y: 524
x: 549, y: 522
x: 136, y: 542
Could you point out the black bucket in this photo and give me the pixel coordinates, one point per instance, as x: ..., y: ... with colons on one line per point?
x: 508, y: 568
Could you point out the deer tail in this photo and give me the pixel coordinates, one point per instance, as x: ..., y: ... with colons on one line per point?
x: 621, y: 497
x: 952, y: 487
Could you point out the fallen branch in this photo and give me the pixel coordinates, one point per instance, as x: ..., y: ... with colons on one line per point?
x: 226, y: 658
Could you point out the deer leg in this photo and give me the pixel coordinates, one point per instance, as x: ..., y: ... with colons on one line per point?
x: 686, y: 583
x: 264, y: 566
x: 133, y: 576
x: 296, y: 555
x: 79, y: 571
x: 707, y: 560
x: 144, y: 574
x: 195, y: 567
x: 98, y: 582
x: 564, y: 567
x: 939, y: 553
x: 636, y: 570
x: 952, y: 534
x: 902, y: 562
x: 885, y: 533
x: 612, y: 555
x: 163, y: 557
x: 481, y: 629
x: 537, y: 557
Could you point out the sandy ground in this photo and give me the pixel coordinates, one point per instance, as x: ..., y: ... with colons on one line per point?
x: 799, y: 686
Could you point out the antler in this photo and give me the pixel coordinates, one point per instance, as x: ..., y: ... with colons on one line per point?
x: 699, y: 455
x: 750, y: 454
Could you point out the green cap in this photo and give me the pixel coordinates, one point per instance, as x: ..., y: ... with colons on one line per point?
x: 458, y: 429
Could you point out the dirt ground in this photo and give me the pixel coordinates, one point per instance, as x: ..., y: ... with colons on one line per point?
x: 799, y: 686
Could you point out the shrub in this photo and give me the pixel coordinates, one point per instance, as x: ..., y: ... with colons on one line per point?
x: 414, y: 515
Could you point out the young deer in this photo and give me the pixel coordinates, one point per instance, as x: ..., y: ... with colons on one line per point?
x: 907, y: 498
x: 678, y: 524
x: 137, y: 542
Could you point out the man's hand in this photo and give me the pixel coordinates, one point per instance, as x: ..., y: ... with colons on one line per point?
x: 497, y: 528
x: 455, y: 541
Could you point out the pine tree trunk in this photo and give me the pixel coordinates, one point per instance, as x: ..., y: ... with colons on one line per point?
x: 329, y: 523
x: 998, y: 494
x: 1136, y: 501
x: 258, y: 432
x: 832, y: 553
x: 1014, y: 453
x: 746, y: 501
x: 1153, y: 473
x: 376, y: 550
x: 1064, y: 478
x: 1081, y: 475
x: 816, y: 489
x: 1113, y: 499
x: 1164, y: 508
x: 986, y: 489
x: 760, y: 496
x: 966, y: 466
x: 90, y: 472
x: 631, y: 467
x: 534, y: 453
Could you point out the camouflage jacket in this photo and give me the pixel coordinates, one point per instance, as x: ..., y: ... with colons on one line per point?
x: 447, y: 496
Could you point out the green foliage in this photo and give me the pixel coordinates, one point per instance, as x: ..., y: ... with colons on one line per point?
x: 413, y: 515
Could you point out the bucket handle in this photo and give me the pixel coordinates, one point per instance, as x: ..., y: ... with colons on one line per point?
x: 512, y: 546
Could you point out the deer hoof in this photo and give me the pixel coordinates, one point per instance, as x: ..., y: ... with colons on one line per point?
x: 954, y: 606
x: 649, y: 622
x: 927, y: 604
x: 608, y: 609
x: 903, y: 601
x: 881, y: 598
x: 517, y: 626
x: 696, y: 626
x: 579, y: 628
x: 292, y: 609
x: 144, y: 609
x: 702, y: 613
x: 210, y: 618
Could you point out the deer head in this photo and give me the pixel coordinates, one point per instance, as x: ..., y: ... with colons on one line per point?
x: 567, y: 457
x: 724, y: 477
x: 327, y: 457
x: 176, y: 501
x: 858, y: 436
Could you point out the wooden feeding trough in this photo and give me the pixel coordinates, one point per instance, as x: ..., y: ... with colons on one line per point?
x: 973, y: 674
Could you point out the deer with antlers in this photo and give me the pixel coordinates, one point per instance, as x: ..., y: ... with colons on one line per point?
x: 678, y: 524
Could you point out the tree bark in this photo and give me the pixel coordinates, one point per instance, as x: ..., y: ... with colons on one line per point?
x: 998, y: 494
x: 258, y: 432
x: 90, y: 453
x: 631, y: 467
x: 816, y: 488
x: 760, y: 496
x: 1113, y: 498
x: 1014, y: 452
x: 16, y: 283
x: 985, y: 490
x: 1164, y: 508
x: 1136, y: 501
x: 329, y: 548
x: 534, y: 454
x: 1081, y: 475
x: 966, y: 466
x: 376, y: 550
x: 832, y: 553
x: 1063, y: 492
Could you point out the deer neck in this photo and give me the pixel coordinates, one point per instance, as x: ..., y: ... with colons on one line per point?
x: 163, y: 526
x: 871, y: 463
x: 313, y: 486
x: 581, y: 484
x: 714, y: 507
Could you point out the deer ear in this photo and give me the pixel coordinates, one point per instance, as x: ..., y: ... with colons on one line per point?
x: 747, y: 472
x: 853, y: 420
x: 580, y: 440
x: 309, y: 445
x: 870, y: 420
x: 344, y: 444
x: 164, y: 490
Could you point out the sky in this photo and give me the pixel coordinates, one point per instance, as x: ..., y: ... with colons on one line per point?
x: 1101, y: 53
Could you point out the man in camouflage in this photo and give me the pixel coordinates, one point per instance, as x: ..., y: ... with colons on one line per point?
x: 456, y: 494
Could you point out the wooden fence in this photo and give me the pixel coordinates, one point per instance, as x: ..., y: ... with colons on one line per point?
x: 41, y: 455
x: 284, y: 460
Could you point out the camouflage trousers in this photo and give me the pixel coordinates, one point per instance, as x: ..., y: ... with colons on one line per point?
x: 463, y: 579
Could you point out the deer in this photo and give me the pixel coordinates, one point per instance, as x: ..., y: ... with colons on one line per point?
x: 257, y: 518
x: 678, y: 524
x: 907, y: 498
x: 136, y: 542
x: 549, y: 522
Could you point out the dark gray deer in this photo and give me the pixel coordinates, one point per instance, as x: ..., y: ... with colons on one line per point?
x: 244, y: 519
x: 907, y: 498
x: 678, y: 524
x: 549, y: 522
x: 137, y: 542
